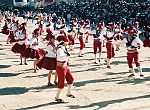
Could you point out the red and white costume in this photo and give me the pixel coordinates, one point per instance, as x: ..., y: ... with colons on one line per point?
x: 109, y: 44
x: 62, y: 69
x: 97, y: 43
x: 20, y: 46
x: 132, y: 44
x: 33, y: 52
x: 49, y: 61
x: 81, y: 38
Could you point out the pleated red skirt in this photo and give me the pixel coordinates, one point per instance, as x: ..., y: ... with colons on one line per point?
x: 18, y: 48
x: 33, y: 54
x: 47, y: 63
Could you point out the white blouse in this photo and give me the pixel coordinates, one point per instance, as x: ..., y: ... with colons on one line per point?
x: 61, y: 55
x: 50, y: 52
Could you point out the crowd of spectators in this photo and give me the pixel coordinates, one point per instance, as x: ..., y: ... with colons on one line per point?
x: 124, y: 11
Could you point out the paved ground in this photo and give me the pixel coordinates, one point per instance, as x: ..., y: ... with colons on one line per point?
x: 95, y: 86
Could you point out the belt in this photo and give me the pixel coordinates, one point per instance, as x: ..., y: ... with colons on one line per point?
x: 109, y: 41
x: 132, y: 51
x: 60, y: 64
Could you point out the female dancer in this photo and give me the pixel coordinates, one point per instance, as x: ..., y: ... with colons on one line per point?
x: 49, y: 61
x: 34, y: 52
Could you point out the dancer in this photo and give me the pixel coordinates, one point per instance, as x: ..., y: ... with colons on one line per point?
x: 34, y: 52
x: 133, y: 43
x: 63, y: 70
x: 49, y: 61
x: 97, y: 44
x: 109, y: 45
x: 20, y: 46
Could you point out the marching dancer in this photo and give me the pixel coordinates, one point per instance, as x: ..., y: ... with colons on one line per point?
x: 20, y: 46
x: 81, y: 40
x: 97, y: 44
x: 133, y: 43
x: 34, y: 52
x: 109, y: 45
x: 49, y: 61
x: 63, y: 71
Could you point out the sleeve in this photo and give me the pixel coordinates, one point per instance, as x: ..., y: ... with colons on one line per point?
x: 61, y: 56
x: 49, y: 49
x: 123, y: 42
x: 139, y: 42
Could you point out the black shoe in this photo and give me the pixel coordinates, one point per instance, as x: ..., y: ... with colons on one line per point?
x: 59, y: 100
x: 20, y: 63
x: 131, y: 75
x: 109, y: 67
x: 50, y: 84
x: 141, y: 75
x: 55, y: 82
x: 70, y: 95
x: 80, y: 56
x: 25, y: 64
x: 95, y: 62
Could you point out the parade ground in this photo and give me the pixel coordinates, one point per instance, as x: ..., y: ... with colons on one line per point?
x: 95, y: 86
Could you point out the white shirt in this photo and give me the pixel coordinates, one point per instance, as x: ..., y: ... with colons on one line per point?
x: 61, y: 55
x: 21, y: 36
x: 134, y: 43
x: 50, y: 51
x: 32, y: 41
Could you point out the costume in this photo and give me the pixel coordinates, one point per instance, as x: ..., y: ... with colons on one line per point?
x: 132, y: 43
x: 20, y: 46
x: 62, y: 68
x: 97, y: 43
x: 49, y: 61
x: 109, y: 44
x: 81, y: 35
x: 34, y: 52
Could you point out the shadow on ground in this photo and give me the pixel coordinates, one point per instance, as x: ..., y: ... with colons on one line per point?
x: 103, y: 104
x: 4, y: 66
x: 9, y: 74
x: 41, y: 105
x: 13, y: 90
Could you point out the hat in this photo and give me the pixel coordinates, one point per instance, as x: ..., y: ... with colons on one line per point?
x: 62, y: 38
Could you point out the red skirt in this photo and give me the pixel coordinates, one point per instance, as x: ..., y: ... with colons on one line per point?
x: 32, y: 53
x: 146, y: 42
x: 18, y: 48
x: 47, y: 63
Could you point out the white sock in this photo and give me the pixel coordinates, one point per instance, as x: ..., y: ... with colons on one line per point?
x: 140, y: 70
x: 69, y: 89
x: 132, y: 70
x: 58, y: 93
